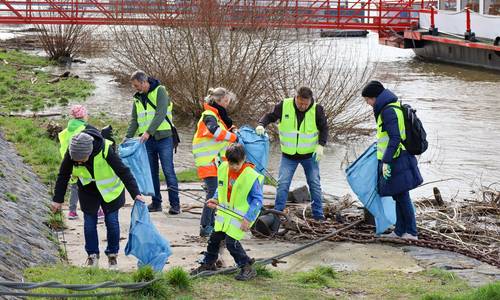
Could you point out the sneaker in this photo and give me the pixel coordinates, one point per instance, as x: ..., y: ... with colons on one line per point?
x: 112, y: 262
x: 92, y: 261
x: 391, y: 235
x: 408, y: 236
x: 202, y: 268
x: 246, y: 273
x: 72, y: 215
x: 206, y: 231
x: 100, y: 214
x: 154, y: 207
x: 174, y: 211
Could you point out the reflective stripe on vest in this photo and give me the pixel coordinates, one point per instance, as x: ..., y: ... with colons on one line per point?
x: 146, y: 115
x: 293, y: 140
x: 383, y: 136
x: 206, y: 150
x: 227, y: 219
x: 108, y: 183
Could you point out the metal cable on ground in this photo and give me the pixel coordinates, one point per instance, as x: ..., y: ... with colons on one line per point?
x: 131, y: 287
x: 275, y: 259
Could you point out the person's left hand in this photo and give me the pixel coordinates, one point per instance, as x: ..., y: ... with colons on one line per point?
x: 140, y: 198
x: 245, y: 225
x: 234, y: 129
x: 318, y: 152
x: 144, y: 137
x: 386, y: 171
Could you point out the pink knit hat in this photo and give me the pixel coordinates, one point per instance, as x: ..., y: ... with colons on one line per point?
x: 78, y: 111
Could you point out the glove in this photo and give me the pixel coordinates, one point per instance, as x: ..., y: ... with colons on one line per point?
x: 386, y: 171
x: 318, y: 153
x: 260, y: 130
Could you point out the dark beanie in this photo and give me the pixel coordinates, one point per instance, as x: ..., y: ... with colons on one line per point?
x: 372, y: 89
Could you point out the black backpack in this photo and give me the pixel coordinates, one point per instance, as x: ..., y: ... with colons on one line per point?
x: 416, y: 137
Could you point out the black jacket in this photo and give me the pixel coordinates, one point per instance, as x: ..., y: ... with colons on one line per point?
x: 89, y: 196
x: 321, y: 123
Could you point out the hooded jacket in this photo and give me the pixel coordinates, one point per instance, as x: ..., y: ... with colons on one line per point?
x: 89, y: 196
x: 405, y: 174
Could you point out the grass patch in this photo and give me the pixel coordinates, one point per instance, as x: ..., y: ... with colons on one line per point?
x: 56, y: 221
x: 11, y: 197
x: 178, y: 278
x: 281, y: 285
x: 187, y: 175
x: 34, y: 145
x: 25, y: 87
x: 488, y: 292
x: 263, y: 271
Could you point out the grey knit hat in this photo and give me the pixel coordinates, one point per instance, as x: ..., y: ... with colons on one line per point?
x: 81, y: 146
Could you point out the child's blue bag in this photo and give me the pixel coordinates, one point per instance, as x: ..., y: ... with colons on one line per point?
x: 145, y: 241
x: 362, y: 177
x: 135, y: 156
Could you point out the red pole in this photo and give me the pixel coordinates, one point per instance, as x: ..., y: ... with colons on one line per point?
x: 432, y: 17
x: 467, y: 19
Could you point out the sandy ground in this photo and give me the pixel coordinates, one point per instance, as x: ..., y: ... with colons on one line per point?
x: 182, y: 232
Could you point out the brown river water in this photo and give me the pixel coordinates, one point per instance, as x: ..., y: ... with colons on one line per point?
x: 456, y: 104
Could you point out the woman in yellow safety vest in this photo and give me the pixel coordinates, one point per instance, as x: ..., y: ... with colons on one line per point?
x: 213, y: 135
x: 398, y: 169
x: 101, y: 179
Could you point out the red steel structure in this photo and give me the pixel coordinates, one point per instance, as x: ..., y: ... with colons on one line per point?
x: 384, y: 16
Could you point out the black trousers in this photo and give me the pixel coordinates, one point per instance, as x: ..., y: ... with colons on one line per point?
x: 233, y: 246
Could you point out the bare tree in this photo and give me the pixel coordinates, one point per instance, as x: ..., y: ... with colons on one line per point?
x: 261, y: 64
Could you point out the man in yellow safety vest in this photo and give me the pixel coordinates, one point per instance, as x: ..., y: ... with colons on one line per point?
x: 303, y: 132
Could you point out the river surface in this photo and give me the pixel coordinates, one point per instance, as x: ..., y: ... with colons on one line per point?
x: 456, y: 104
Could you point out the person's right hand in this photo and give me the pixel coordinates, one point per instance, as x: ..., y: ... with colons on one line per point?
x: 212, y: 203
x: 55, y: 206
x: 140, y: 198
x: 260, y: 130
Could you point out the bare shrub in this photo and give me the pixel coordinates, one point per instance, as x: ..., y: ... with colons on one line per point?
x: 261, y: 64
x: 66, y: 41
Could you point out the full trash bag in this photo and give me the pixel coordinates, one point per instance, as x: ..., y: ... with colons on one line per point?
x: 362, y: 177
x: 256, y: 147
x: 145, y: 241
x: 134, y: 155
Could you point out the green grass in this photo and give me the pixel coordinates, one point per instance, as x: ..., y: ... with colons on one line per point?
x: 34, y: 145
x: 11, y: 197
x: 318, y: 283
x: 25, y: 87
x: 187, y: 175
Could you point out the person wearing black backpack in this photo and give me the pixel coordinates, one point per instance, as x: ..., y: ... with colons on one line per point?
x: 398, y: 170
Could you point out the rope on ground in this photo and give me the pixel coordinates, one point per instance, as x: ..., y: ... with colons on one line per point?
x: 276, y: 259
x: 129, y: 288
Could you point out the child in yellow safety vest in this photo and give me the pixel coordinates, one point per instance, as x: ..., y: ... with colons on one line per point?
x: 238, y: 200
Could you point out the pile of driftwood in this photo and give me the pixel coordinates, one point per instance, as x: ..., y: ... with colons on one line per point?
x: 467, y: 226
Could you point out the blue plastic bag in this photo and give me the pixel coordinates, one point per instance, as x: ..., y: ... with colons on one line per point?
x: 145, y: 241
x: 362, y: 177
x: 134, y: 155
x: 256, y: 147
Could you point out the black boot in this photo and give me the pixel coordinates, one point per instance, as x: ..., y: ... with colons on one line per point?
x: 202, y: 268
x: 246, y: 273
x: 154, y: 207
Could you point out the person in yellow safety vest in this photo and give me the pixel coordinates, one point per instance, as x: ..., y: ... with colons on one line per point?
x: 152, y: 106
x: 213, y: 135
x: 303, y: 132
x: 76, y: 124
x: 102, y: 178
x: 398, y: 169
x: 238, y: 201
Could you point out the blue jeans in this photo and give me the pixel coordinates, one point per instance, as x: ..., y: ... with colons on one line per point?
x: 287, y: 169
x: 90, y: 232
x: 164, y: 150
x: 405, y: 215
x: 207, y: 215
x: 233, y: 246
